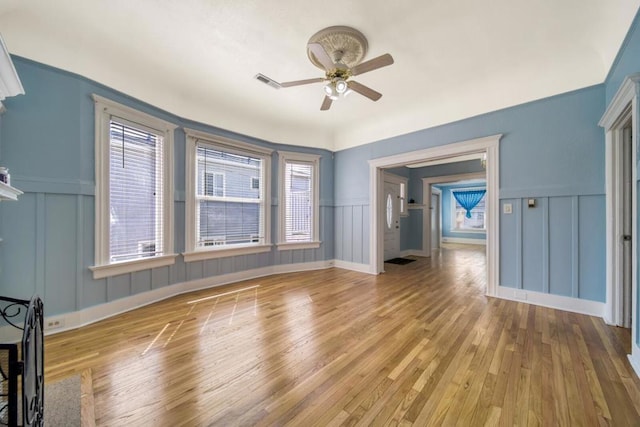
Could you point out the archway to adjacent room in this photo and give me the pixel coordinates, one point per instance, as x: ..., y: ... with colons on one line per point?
x: 488, y: 146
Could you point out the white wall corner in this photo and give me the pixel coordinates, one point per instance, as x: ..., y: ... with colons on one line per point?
x: 355, y: 266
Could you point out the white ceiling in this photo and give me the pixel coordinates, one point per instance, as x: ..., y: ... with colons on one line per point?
x: 197, y: 58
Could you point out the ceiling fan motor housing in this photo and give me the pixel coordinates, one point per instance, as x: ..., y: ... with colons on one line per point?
x: 345, y: 45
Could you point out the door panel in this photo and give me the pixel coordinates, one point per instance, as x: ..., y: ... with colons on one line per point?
x: 391, y: 201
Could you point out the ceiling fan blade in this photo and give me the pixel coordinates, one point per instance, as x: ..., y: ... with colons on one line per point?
x: 322, y: 56
x: 326, y: 104
x: 372, y: 64
x: 364, y: 90
x: 302, y: 82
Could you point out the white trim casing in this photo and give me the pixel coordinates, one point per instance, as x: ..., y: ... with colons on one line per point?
x: 10, y: 84
x: 314, y: 161
x: 612, y: 121
x: 488, y: 145
x: 353, y: 266
x: 104, y: 110
x: 574, y: 305
x: 464, y: 241
x: 242, y: 148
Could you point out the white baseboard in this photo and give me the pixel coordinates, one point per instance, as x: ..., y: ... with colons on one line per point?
x: 575, y: 305
x: 464, y: 241
x: 96, y: 313
x: 353, y: 266
x: 413, y: 252
x: 634, y: 358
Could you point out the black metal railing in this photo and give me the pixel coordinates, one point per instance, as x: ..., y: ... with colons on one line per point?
x: 21, y: 358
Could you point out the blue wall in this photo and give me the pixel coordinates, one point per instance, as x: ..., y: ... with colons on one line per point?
x: 551, y: 148
x: 628, y: 62
x: 47, y: 141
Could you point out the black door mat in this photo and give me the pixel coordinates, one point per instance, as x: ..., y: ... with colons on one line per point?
x: 400, y: 261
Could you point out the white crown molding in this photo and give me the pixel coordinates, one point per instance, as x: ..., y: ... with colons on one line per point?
x: 10, y: 84
x: 620, y: 101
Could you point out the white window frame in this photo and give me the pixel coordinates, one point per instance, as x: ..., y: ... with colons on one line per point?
x: 105, y: 109
x: 193, y: 253
x: 453, y: 211
x: 314, y: 161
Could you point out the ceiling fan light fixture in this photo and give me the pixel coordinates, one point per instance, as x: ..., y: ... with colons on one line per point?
x: 341, y: 86
x: 330, y: 90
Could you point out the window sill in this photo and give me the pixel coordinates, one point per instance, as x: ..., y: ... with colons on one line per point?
x: 204, y: 254
x: 102, y: 271
x: 288, y: 246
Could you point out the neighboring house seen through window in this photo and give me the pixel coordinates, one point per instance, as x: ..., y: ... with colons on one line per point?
x: 299, y: 210
x: 227, y: 205
x: 133, y: 190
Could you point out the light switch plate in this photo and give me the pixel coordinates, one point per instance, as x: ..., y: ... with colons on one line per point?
x: 507, y: 208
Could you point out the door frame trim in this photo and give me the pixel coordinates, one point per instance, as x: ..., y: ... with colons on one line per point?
x: 622, y: 107
x: 488, y: 145
x: 438, y: 193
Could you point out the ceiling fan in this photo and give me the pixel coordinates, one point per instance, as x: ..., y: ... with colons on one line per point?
x: 339, y: 51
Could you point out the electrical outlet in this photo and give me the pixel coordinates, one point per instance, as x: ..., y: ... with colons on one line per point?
x: 54, y: 324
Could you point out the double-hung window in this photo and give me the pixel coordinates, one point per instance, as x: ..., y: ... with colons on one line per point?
x: 298, y: 200
x: 134, y: 187
x: 227, y: 201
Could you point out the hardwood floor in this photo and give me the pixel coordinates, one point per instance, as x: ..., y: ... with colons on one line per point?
x: 419, y: 345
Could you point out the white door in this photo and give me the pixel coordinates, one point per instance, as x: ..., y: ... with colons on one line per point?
x: 391, y: 201
x: 435, y: 221
x: 627, y: 241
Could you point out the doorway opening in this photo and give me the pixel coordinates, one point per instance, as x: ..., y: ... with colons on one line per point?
x: 620, y: 122
x: 621, y: 198
x: 488, y: 146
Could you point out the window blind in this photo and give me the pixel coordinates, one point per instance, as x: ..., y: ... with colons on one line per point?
x: 298, y: 201
x: 229, y: 198
x: 135, y: 192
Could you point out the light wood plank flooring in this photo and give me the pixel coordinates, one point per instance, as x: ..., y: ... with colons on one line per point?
x: 419, y: 345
